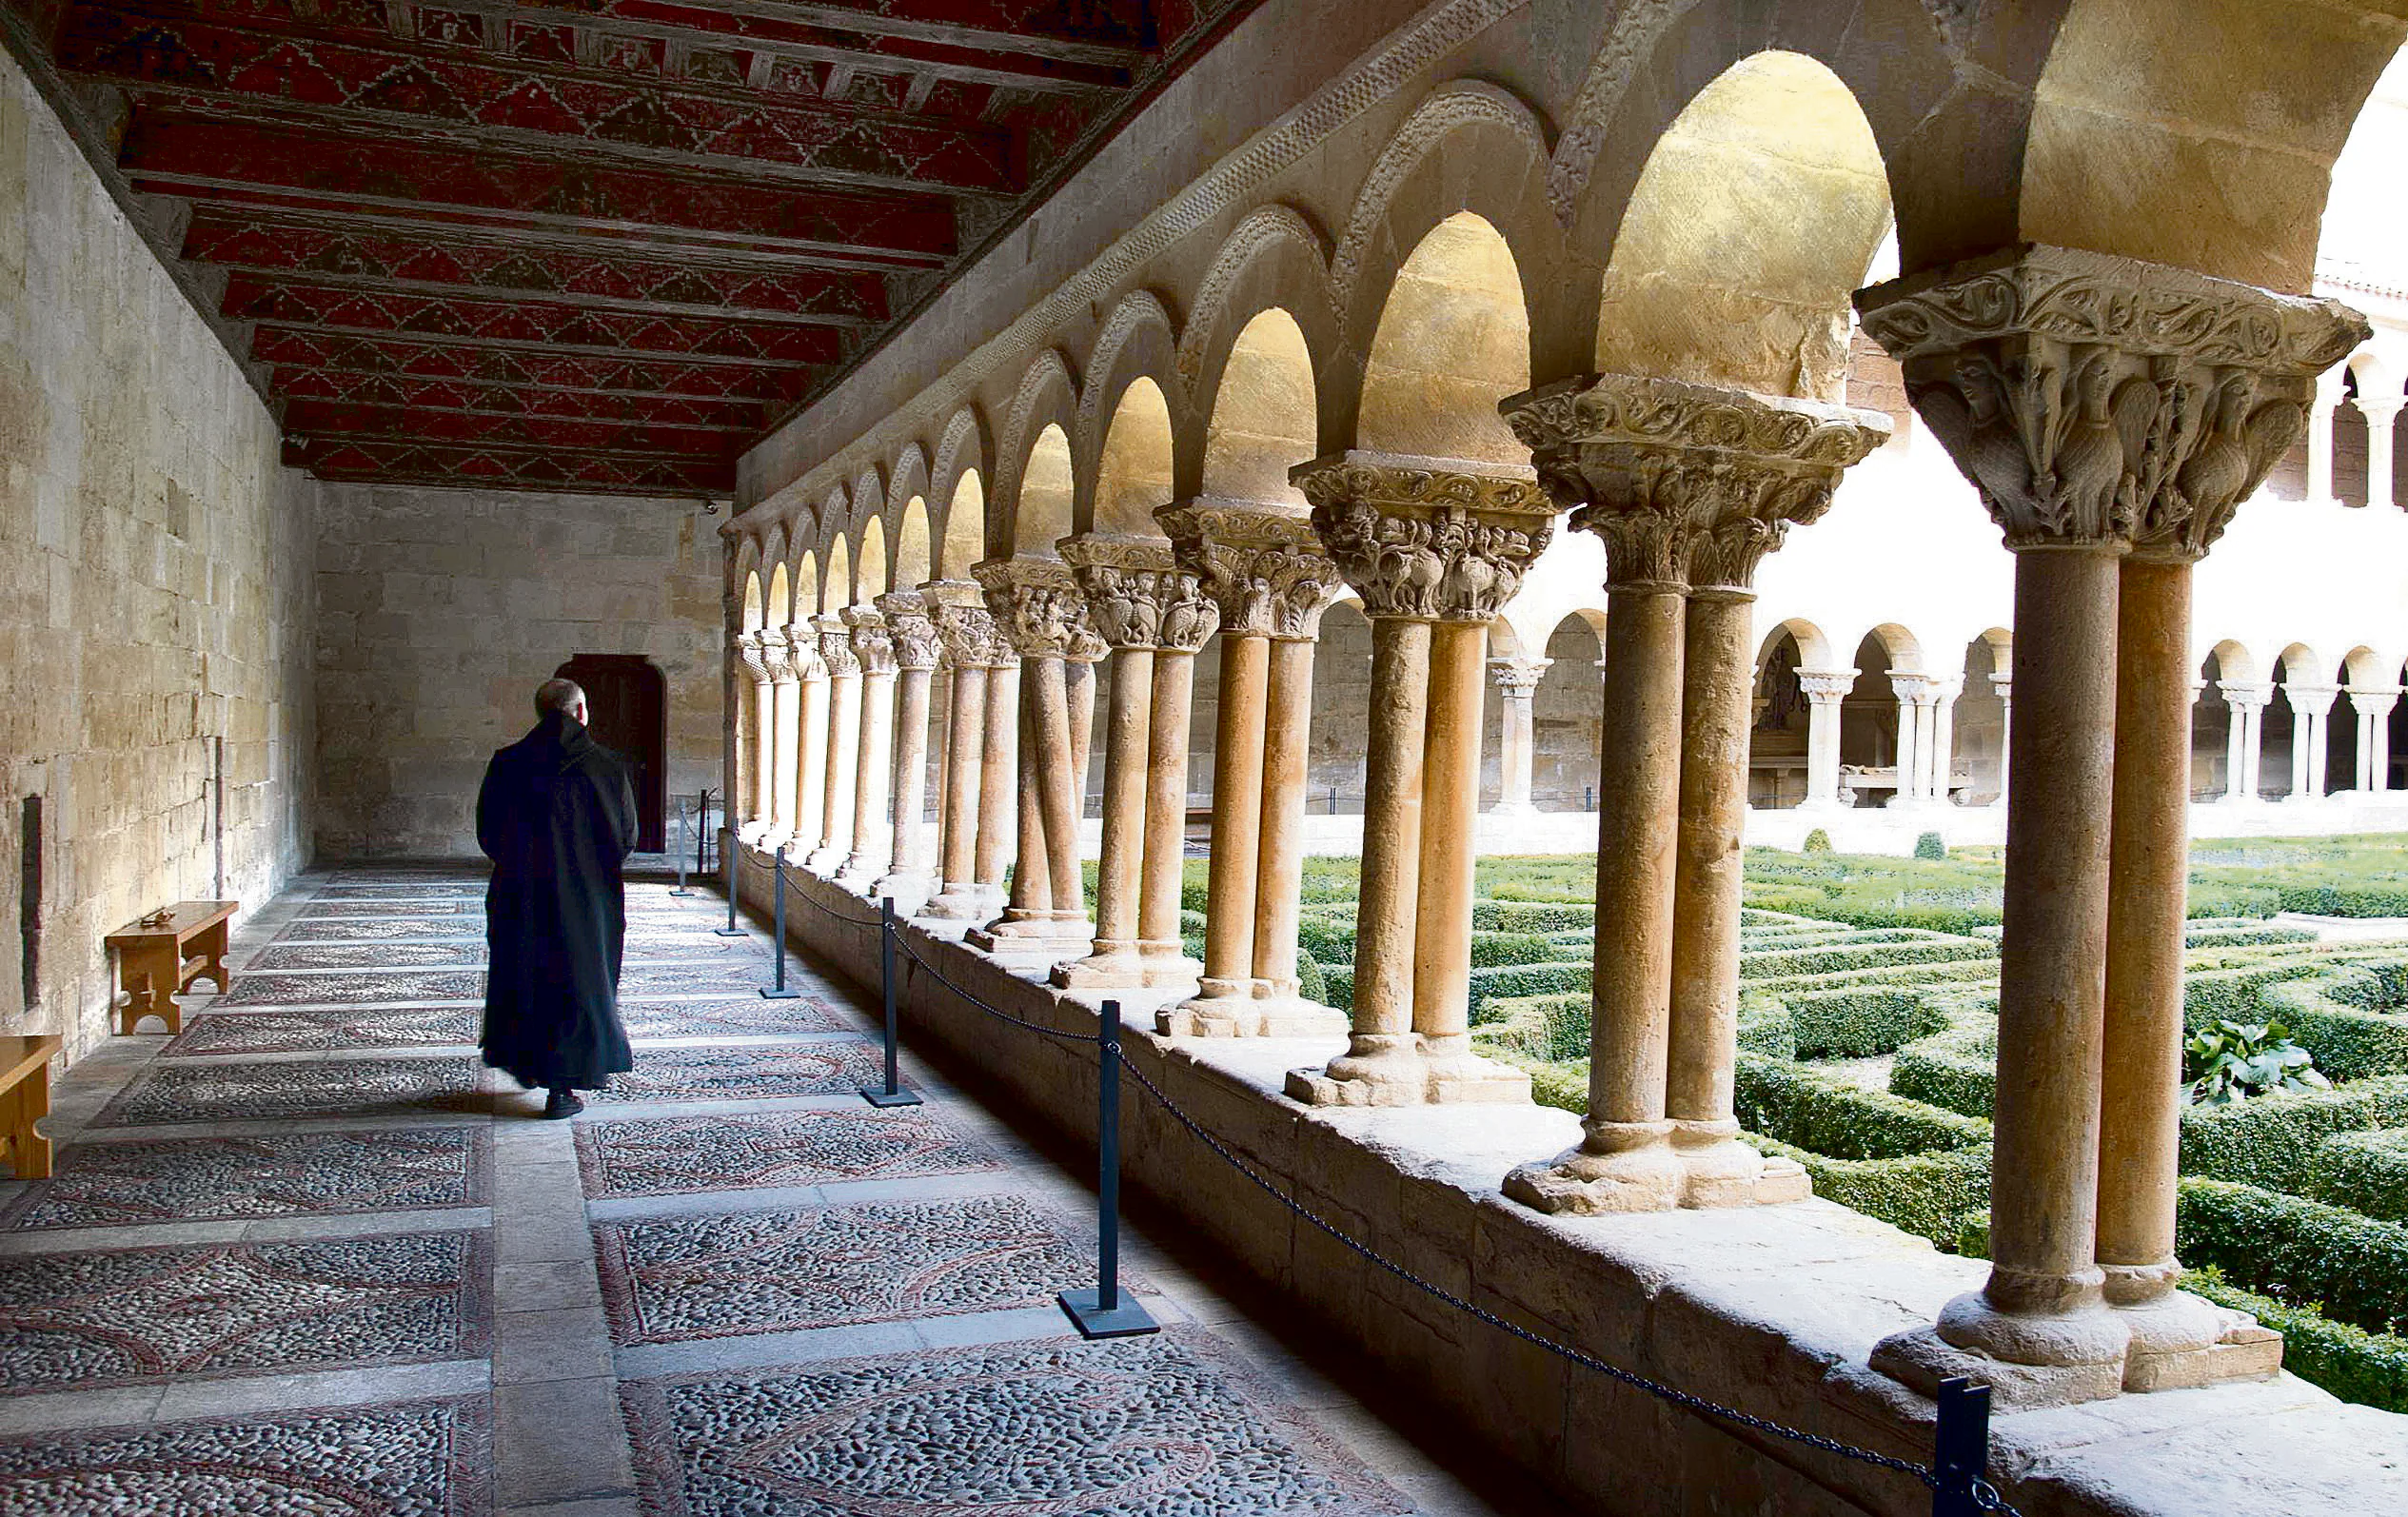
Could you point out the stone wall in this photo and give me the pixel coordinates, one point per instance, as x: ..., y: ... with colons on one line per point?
x: 155, y: 597
x: 441, y: 610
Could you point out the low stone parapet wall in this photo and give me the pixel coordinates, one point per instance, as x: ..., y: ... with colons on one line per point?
x: 1772, y: 1311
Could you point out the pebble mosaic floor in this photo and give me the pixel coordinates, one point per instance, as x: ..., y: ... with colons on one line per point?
x: 310, y: 1256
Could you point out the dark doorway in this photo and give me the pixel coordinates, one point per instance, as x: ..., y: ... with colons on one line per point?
x: 629, y: 698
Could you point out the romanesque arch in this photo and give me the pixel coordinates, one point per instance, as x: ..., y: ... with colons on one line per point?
x: 965, y: 531
x: 1452, y: 340
x: 1136, y: 348
x: 1134, y: 470
x: 1273, y: 261
x: 1263, y: 410
x: 1044, y: 411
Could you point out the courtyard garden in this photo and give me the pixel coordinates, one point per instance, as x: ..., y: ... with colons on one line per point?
x: 1868, y: 1036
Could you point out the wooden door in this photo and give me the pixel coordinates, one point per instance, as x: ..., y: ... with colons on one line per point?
x: 628, y: 697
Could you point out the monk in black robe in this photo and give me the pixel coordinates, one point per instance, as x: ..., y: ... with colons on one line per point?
x: 557, y: 815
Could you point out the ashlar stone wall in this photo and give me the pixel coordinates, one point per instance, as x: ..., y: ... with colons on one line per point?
x: 155, y: 597
x: 441, y: 610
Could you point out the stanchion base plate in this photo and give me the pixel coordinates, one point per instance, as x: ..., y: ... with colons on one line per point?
x: 881, y: 1096
x: 729, y: 932
x: 769, y: 995
x: 680, y: 890
x: 1125, y: 1320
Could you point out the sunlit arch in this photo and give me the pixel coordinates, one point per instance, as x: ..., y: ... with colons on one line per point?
x: 1264, y: 413
x: 1453, y: 339
x: 1133, y: 473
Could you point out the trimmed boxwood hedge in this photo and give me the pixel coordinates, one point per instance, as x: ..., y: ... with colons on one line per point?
x: 2364, y: 1172
x: 2270, y: 1140
x: 2349, y: 1362
x: 1784, y: 1101
x: 1861, y: 1023
x: 1924, y: 1193
x: 2345, y: 900
x: 2296, y: 1250
x: 1533, y: 916
x: 1509, y: 981
x: 1538, y: 1027
x: 1956, y: 1071
x: 2349, y: 1043
x: 1856, y: 953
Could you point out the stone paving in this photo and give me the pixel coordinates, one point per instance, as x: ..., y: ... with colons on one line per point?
x: 310, y: 1256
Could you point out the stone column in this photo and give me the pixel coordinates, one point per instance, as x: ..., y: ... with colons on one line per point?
x: 1087, y: 651
x: 1688, y: 487
x: 2005, y: 685
x: 1036, y: 608
x: 967, y: 633
x: 777, y: 653
x: 762, y: 731
x: 999, y: 771
x: 1942, y: 756
x: 2374, y: 737
x: 1185, y: 626
x: 1123, y: 580
x: 2382, y: 416
x: 908, y: 876
x: 1269, y: 582
x: 811, y: 740
x: 873, y: 768
x: 2095, y: 403
x: 843, y: 742
x: 1826, y: 691
x: 1517, y: 736
x: 2329, y: 395
x: 2311, y: 737
x: 1914, y: 697
x: 2246, y: 701
x: 1435, y: 554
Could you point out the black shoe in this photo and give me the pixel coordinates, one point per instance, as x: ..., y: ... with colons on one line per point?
x: 562, y: 1103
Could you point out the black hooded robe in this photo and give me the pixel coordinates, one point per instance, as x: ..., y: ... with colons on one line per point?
x: 557, y: 815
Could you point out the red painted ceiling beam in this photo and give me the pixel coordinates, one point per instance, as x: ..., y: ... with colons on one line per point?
x: 322, y: 419
x: 192, y: 156
x: 377, y: 460
x: 739, y: 420
x: 412, y: 359
x: 470, y: 100
x: 543, y: 268
x: 306, y: 303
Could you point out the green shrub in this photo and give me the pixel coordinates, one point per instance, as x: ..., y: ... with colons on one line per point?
x: 2234, y: 1061
x: 1330, y: 942
x: 1551, y: 1027
x: 1817, y: 841
x: 1930, y: 845
x: 1506, y: 982
x: 2297, y: 1251
x: 2219, y: 994
x: 1339, y: 980
x: 1784, y: 1101
x: 1956, y: 1071
x: 2325, y: 1016
x: 1564, y: 1086
x: 1502, y: 950
x: 1923, y: 1194
x: 1533, y: 916
x: 2345, y: 900
x: 2270, y: 1141
x: 1763, y: 1026
x: 2364, y: 1172
x: 1851, y: 954
x: 1311, y: 983
x: 1861, y: 1023
x: 2351, y: 1363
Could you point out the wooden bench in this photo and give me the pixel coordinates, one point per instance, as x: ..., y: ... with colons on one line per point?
x: 25, y: 1099
x: 157, y: 964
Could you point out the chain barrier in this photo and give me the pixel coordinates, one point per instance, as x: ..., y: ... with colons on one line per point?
x: 1955, y: 1479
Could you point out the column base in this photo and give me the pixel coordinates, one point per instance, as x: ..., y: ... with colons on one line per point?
x: 958, y: 902
x: 859, y: 870
x: 1719, y: 1170
x: 1397, y: 1069
x: 824, y: 860
x: 1114, y: 966
x: 2180, y: 1342
x: 2029, y: 1359
x: 910, y: 888
x: 1245, y: 1017
x: 1165, y: 964
x: 1620, y: 1167
x: 1035, y: 934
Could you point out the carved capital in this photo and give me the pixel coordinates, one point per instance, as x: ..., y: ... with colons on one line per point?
x: 1518, y: 677
x: 1915, y: 689
x: 1138, y: 596
x: 1423, y: 542
x: 1263, y: 568
x: 750, y: 655
x: 776, y: 650
x: 1687, y: 484
x: 2375, y: 703
x: 2246, y: 694
x: 912, y: 629
x: 1036, y: 603
x: 1826, y: 686
x: 835, y: 645
x: 873, y: 645
x: 2105, y: 401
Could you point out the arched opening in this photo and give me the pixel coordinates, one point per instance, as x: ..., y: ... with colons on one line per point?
x: 1980, y: 722
x: 836, y: 592
x: 1341, y: 694
x: 912, y: 562
x: 2212, y: 727
x: 869, y: 572
x: 751, y: 621
x: 1569, y: 715
x: 1777, y: 769
x: 627, y: 704
x: 1453, y: 339
x: 2283, y: 734
x: 2343, y: 753
x: 1505, y: 647
x: 782, y: 599
x: 965, y: 528
x: 1263, y: 414
x: 806, y: 594
x: 2397, y: 764
x: 1756, y: 216
x: 1042, y: 518
x: 1133, y: 475
x: 1869, y: 716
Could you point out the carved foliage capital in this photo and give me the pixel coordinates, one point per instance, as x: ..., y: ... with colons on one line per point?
x: 913, y: 631
x: 835, y: 646
x: 873, y: 641
x: 1263, y: 569
x: 1138, y: 595
x: 968, y: 635
x: 1429, y: 545
x: 1518, y: 677
x: 1826, y: 684
x: 750, y: 655
x: 2103, y: 401
x: 1036, y: 603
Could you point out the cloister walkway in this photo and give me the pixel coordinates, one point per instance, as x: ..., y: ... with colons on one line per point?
x: 310, y: 1256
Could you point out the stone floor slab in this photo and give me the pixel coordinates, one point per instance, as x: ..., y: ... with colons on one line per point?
x: 356, y: 987
x: 327, y: 1029
x: 736, y: 1016
x: 684, y: 1155
x: 1145, y: 1428
x: 270, y: 1176
x: 176, y: 1094
x: 125, y: 1316
x: 745, y: 1071
x: 464, y: 953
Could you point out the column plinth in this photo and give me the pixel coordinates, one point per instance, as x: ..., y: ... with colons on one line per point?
x: 2102, y: 409
x: 1689, y: 486
x: 909, y: 878
x: 1436, y: 548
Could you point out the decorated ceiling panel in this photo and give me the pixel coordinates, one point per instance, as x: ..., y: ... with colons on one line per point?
x: 594, y: 244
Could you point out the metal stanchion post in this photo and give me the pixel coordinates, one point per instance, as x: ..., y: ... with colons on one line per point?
x: 1106, y: 1312
x: 727, y: 859
x: 685, y: 840
x: 778, y: 991
x: 1961, y: 1448
x: 892, y: 1094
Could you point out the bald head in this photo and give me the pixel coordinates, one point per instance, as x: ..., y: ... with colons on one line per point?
x: 562, y: 697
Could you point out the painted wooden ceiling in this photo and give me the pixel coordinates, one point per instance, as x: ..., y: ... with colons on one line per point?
x: 580, y: 245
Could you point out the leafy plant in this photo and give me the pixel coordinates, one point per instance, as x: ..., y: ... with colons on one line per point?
x: 1930, y: 845
x: 1817, y: 841
x: 2231, y: 1061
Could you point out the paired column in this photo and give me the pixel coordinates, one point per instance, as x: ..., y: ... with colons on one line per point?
x: 1689, y: 486
x: 2329, y: 395
x: 872, y: 830
x: 1914, y: 694
x: 2244, y: 738
x: 782, y: 662
x: 809, y: 748
x: 1827, y: 694
x: 1435, y: 555
x: 2374, y: 737
x: 914, y: 638
x: 1269, y: 582
x: 2382, y: 417
x: 2111, y: 426
x: 2311, y: 737
x: 1036, y: 606
x: 1518, y: 733
x: 759, y: 731
x: 971, y: 650
x: 1942, y: 756
x: 1144, y: 607
x: 842, y: 744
